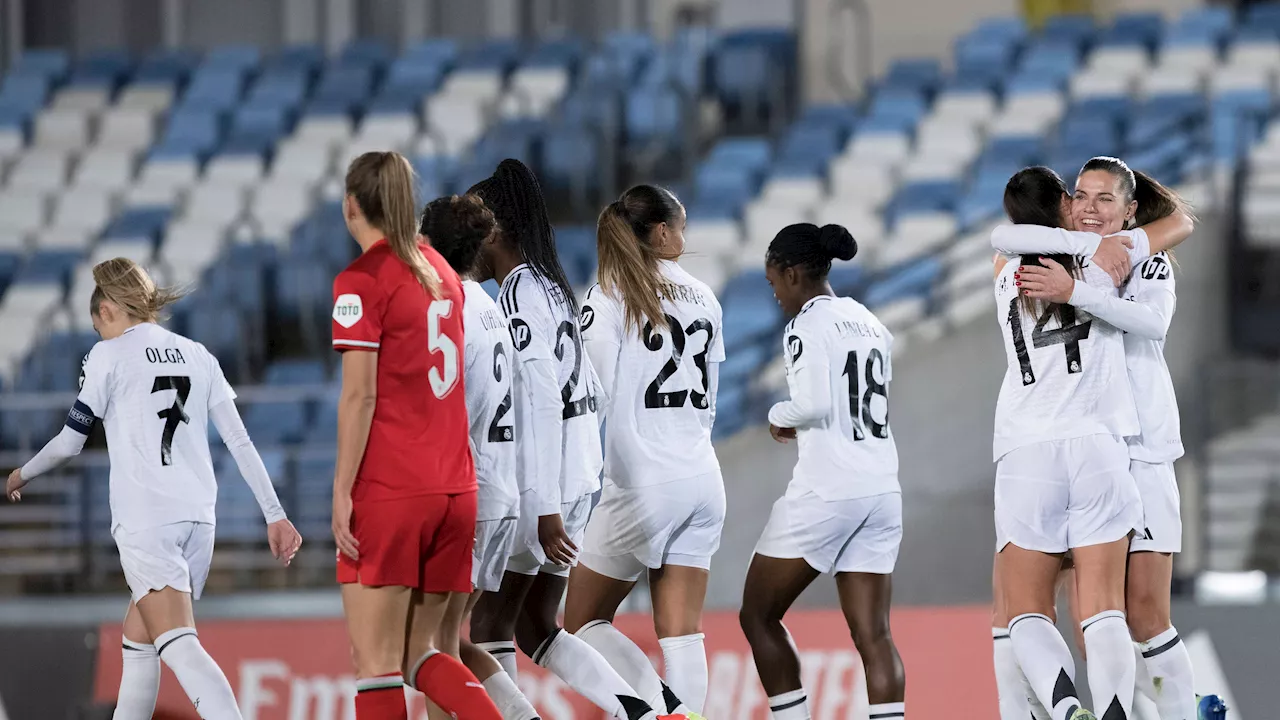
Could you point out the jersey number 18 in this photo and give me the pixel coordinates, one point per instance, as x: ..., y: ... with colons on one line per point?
x: 860, y: 407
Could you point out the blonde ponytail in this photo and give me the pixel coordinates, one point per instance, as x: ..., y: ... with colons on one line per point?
x: 127, y: 285
x: 382, y: 185
x: 629, y: 269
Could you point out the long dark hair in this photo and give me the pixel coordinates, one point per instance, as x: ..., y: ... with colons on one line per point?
x: 456, y: 226
x: 514, y: 196
x: 1033, y: 196
x: 628, y: 258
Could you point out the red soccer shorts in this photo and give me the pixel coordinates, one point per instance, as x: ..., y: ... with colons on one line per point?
x: 421, y: 542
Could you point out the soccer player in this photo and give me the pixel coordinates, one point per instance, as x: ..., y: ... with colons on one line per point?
x: 558, y: 457
x: 654, y: 335
x: 1143, y: 311
x: 842, y: 512
x: 404, y: 486
x: 155, y: 392
x: 456, y: 226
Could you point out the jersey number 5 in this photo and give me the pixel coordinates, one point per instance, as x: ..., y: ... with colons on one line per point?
x: 174, y: 414
x: 860, y: 407
x: 1068, y: 336
x: 444, y: 378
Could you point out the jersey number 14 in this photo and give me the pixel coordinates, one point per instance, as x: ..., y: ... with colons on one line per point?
x: 1068, y: 336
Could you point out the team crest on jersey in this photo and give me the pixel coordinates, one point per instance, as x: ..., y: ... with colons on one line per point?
x: 520, y: 334
x: 348, y: 309
x: 587, y: 317
x: 83, y: 364
x: 1155, y: 268
x: 795, y: 347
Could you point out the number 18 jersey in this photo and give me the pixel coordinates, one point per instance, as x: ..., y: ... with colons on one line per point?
x: 659, y: 408
x: 1065, y: 376
x: 839, y: 364
x: 152, y: 389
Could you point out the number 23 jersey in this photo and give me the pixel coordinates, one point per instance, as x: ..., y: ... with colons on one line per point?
x: 153, y: 389
x: 839, y: 364
x: 1064, y: 379
x: 659, y: 408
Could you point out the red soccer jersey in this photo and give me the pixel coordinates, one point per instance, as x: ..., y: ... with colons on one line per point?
x: 418, y: 443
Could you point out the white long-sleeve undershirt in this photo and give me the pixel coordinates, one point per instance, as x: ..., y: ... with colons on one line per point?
x: 810, y: 402
x: 226, y: 418
x: 547, y: 431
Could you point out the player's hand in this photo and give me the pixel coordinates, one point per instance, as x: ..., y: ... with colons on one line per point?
x: 782, y: 435
x: 1112, y: 257
x: 284, y: 539
x: 14, y: 485
x: 1051, y: 282
x: 342, y: 537
x: 555, y: 541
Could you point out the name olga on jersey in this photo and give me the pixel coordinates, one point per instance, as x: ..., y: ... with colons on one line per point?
x: 164, y: 356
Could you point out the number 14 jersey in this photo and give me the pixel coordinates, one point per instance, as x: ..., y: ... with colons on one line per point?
x: 1065, y: 376
x: 153, y: 389
x: 839, y: 365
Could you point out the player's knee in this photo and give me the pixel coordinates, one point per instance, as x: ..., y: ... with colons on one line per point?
x: 1147, y: 618
x: 871, y: 633
x: 754, y: 623
x: 530, y: 634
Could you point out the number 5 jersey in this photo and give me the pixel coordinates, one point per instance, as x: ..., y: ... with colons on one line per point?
x: 839, y: 365
x: 1066, y: 374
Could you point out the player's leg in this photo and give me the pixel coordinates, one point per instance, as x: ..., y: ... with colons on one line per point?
x: 1017, y: 700
x: 140, y: 672
x: 165, y: 566
x: 771, y: 587
x: 501, y: 687
x: 567, y: 656
x: 443, y: 587
x: 1041, y: 650
x: 1100, y: 590
x: 447, y: 640
x: 377, y: 623
x: 679, y: 592
x: 865, y: 599
x: 494, y: 618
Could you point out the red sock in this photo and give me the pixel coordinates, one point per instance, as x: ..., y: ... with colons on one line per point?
x: 451, y: 685
x: 381, y: 698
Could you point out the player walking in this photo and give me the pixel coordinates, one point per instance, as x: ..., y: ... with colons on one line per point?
x: 155, y: 392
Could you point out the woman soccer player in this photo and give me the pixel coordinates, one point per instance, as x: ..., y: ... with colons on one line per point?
x: 654, y: 335
x: 404, y: 486
x: 558, y: 447
x: 456, y: 226
x: 156, y: 391
x: 1104, y: 189
x: 842, y: 512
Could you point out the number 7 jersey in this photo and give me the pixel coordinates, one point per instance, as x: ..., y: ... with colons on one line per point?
x: 839, y: 365
x: 1065, y: 375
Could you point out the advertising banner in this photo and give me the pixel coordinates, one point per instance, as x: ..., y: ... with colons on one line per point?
x: 301, y: 670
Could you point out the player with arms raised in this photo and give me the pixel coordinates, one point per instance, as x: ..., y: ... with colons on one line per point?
x: 155, y: 392
x: 842, y: 512
x: 404, y: 486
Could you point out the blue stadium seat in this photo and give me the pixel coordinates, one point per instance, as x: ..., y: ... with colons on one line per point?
x: 49, y: 266
x: 45, y: 62
x: 747, y: 64
x: 490, y: 56
x: 294, y: 58
x: 213, y: 90
x: 925, y: 196
x: 276, y: 422
x: 10, y: 263
x: 238, y: 58
x: 895, y: 104
x: 296, y: 372
x: 571, y: 155
x: 107, y: 68
x: 436, y: 51
x: 258, y: 121
x: 576, y: 245
x: 914, y: 74
x: 411, y: 76
x: 193, y: 131
x: 750, y: 310
x: 652, y: 114
x: 915, y: 278
x: 27, y: 93
x: 165, y: 67
x: 138, y: 222
x: 373, y: 53
x: 750, y: 153
x: 1072, y: 28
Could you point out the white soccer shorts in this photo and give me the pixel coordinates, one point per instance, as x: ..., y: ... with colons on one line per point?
x: 1161, y: 508
x: 645, y: 528
x: 1061, y: 494
x: 530, y: 560
x: 494, y: 542
x: 176, y: 555
x: 861, y: 535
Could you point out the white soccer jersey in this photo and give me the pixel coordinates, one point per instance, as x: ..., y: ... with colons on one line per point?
x: 153, y: 389
x: 1065, y: 378
x: 487, y: 376
x: 839, y: 363
x: 543, y: 327
x: 659, y: 382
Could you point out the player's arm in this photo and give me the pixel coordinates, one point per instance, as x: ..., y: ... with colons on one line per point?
x: 89, y: 406
x: 602, y: 340
x: 715, y: 356
x: 1168, y: 232
x: 531, y: 329
x: 1147, y: 316
x: 1015, y: 240
x: 226, y: 418
x: 807, y: 379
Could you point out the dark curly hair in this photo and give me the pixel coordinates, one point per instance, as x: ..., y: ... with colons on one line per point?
x: 456, y: 226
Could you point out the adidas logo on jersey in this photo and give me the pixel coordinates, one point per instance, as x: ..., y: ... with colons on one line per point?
x: 348, y: 309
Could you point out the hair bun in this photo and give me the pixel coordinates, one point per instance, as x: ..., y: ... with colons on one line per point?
x: 837, y: 241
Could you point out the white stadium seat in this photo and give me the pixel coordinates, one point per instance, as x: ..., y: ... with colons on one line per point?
x: 90, y: 99
x: 324, y: 129
x: 129, y: 128
x: 88, y: 210
x: 1127, y: 61
x: 802, y: 191
x: 238, y: 170
x: 23, y: 211
x: 154, y: 194
x: 456, y: 120
x: 66, y: 129
x: 392, y: 130
x: 1254, y: 54
x: 44, y: 170
x: 106, y: 168
x: 879, y: 148
x: 482, y: 86
x: 976, y: 108
x: 177, y: 171
x: 155, y: 98
x: 215, y: 203
x: 713, y: 237
x: 301, y: 161
x: 862, y: 184
x: 65, y: 238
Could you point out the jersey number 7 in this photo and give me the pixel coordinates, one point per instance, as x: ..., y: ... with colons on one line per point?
x: 174, y: 414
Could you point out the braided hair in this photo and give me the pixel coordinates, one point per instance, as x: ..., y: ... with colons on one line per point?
x: 811, y: 248
x: 514, y: 196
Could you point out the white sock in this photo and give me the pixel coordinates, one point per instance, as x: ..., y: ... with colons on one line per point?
x: 1047, y: 662
x: 1142, y: 684
x: 1168, y: 664
x: 587, y: 673
x: 198, y: 674
x: 139, y: 682
x: 684, y: 662
x: 1111, y: 665
x: 504, y: 651
x: 1017, y: 699
x: 510, y: 701
x: 792, y: 705
x: 888, y: 711
x: 631, y: 664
